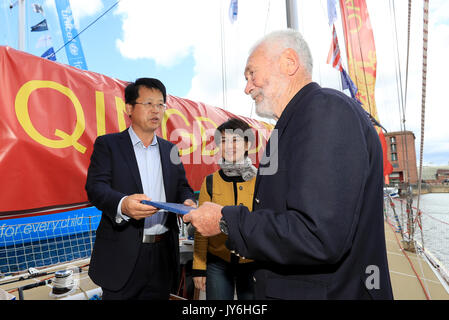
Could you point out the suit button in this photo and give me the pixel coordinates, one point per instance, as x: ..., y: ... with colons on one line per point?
x: 257, y: 200
x: 240, y: 204
x: 241, y: 187
x: 254, y: 279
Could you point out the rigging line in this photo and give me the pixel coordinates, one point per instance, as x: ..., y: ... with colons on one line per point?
x: 400, y: 94
x: 266, y: 18
x: 398, y: 60
x: 423, y: 100
x: 252, y: 108
x: 85, y: 28
x: 223, y: 57
x: 408, y: 52
x: 404, y: 105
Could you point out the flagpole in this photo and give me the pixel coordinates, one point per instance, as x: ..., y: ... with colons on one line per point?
x: 22, y: 23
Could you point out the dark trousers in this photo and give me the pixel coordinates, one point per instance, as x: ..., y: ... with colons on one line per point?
x: 224, y: 277
x: 152, y: 276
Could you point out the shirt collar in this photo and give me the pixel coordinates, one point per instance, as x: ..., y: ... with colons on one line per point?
x: 136, y: 140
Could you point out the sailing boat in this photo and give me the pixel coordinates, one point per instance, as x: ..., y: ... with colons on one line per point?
x: 88, y: 102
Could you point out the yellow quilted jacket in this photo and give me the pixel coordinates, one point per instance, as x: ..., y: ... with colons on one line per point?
x: 223, y: 193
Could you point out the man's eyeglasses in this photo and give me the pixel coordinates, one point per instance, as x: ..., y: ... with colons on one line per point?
x: 158, y: 106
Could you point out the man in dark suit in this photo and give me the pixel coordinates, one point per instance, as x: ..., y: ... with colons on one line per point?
x: 136, y: 251
x: 316, y: 230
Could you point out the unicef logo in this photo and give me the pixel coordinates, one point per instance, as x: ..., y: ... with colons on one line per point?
x: 73, y: 49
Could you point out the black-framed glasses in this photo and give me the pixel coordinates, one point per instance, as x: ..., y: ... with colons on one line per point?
x: 158, y: 106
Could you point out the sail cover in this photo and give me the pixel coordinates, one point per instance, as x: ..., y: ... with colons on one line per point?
x: 52, y: 113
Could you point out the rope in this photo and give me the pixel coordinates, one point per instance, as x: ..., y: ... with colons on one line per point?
x: 423, y: 107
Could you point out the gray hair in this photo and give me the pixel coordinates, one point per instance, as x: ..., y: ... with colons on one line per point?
x: 289, y: 38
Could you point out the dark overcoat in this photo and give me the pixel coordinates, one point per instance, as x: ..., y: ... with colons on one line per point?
x: 317, y: 226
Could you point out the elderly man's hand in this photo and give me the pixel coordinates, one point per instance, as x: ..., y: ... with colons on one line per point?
x: 190, y: 203
x: 205, y: 219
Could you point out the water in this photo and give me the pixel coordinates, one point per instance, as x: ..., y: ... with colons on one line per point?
x: 435, y: 223
x: 433, y: 203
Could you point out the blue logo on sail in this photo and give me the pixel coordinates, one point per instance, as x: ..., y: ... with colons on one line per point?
x: 73, y: 47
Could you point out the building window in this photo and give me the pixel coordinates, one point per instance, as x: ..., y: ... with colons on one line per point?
x: 394, y: 157
x: 393, y: 148
x: 393, y: 139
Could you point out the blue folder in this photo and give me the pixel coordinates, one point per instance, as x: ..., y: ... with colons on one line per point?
x: 171, y: 207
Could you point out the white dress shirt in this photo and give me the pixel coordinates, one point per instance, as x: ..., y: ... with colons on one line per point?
x: 150, y: 170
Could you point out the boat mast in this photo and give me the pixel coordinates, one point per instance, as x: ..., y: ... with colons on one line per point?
x: 292, y: 14
x: 22, y: 23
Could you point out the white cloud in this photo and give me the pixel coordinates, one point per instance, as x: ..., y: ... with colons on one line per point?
x: 196, y: 28
x: 80, y: 8
x: 166, y: 31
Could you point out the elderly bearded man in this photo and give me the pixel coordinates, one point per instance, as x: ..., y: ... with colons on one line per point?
x: 316, y: 230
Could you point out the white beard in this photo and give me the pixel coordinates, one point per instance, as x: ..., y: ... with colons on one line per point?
x: 264, y: 109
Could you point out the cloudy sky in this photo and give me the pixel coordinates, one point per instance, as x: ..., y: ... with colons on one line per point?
x: 188, y: 45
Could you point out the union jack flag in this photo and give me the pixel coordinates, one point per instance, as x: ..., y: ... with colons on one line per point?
x: 334, y: 58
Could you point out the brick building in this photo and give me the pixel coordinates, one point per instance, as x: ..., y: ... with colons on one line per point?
x: 402, y: 155
x: 442, y: 175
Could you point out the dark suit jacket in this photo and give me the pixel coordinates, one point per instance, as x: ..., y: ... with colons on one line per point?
x: 317, y: 229
x: 113, y: 173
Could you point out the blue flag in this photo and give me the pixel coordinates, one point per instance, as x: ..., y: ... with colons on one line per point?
x: 49, y: 54
x: 348, y: 84
x: 233, y: 10
x: 41, y: 26
x: 73, y: 48
x: 331, y: 11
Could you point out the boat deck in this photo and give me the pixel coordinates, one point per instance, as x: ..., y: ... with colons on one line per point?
x: 85, y: 284
x: 405, y: 282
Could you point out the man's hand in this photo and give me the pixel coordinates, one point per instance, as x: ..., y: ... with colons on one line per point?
x: 205, y: 219
x: 190, y: 203
x: 132, y: 207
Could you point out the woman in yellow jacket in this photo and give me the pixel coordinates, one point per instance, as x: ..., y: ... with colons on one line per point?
x: 215, y: 269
